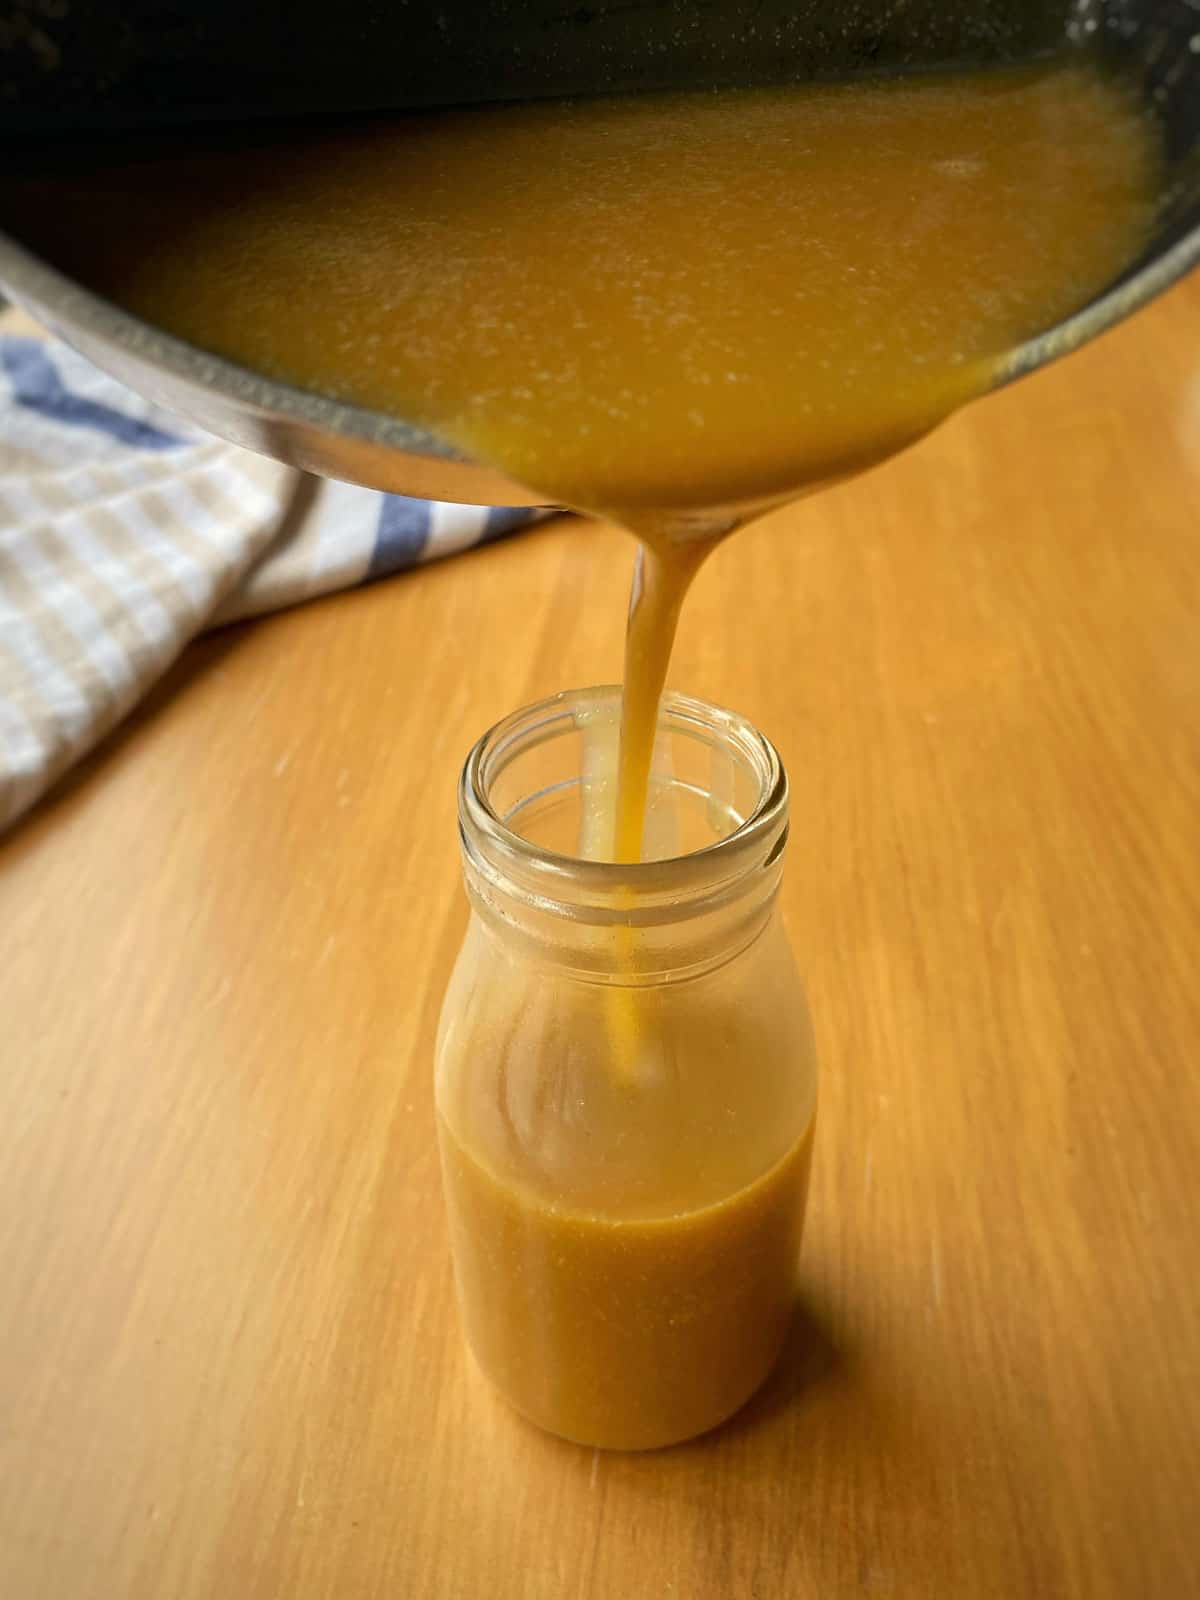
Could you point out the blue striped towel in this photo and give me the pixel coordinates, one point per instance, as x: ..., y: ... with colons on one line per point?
x: 125, y: 532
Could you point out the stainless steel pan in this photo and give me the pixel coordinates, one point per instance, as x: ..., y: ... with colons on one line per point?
x: 167, y: 63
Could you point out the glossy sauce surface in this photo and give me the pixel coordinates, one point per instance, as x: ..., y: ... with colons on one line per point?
x: 644, y: 302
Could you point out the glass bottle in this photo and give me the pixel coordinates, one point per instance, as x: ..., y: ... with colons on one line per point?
x: 625, y: 1075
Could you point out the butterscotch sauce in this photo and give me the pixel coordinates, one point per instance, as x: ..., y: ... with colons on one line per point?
x: 675, y: 310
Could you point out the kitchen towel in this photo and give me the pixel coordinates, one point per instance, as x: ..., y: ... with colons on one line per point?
x: 124, y: 532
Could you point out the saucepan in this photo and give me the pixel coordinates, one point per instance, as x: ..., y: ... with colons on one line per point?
x: 139, y: 68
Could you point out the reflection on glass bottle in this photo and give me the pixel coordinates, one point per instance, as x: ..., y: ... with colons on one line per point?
x: 626, y: 1085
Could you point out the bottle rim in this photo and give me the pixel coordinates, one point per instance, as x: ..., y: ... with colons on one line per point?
x: 643, y: 891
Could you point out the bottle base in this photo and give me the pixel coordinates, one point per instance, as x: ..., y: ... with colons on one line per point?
x: 632, y: 1438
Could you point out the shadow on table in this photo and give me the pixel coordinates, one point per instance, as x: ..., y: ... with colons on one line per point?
x: 810, y: 1356
x: 804, y: 1462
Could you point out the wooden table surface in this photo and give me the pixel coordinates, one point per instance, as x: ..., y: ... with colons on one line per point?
x: 229, y: 1359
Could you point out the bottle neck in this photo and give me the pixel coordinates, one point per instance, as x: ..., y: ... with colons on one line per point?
x: 719, y: 782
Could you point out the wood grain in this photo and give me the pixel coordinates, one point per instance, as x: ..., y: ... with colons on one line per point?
x: 229, y: 1363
